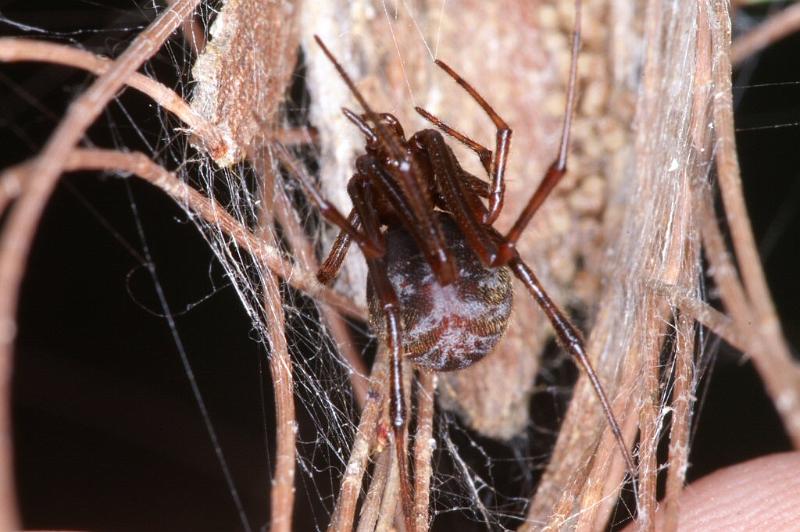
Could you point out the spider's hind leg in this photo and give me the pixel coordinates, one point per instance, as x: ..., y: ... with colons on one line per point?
x: 572, y: 341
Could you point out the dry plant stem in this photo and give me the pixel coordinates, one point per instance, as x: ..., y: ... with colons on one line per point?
x: 370, y: 511
x: 350, y: 485
x: 682, y: 407
x: 16, y: 49
x: 306, y: 257
x: 423, y: 449
x: 608, y: 497
x: 774, y: 361
x: 681, y: 370
x: 336, y: 325
x: 573, y: 481
x: 562, y: 510
x: 605, y: 471
x: 142, y: 166
x: 280, y: 365
x: 21, y: 224
x: 388, y: 510
x: 193, y: 33
x: 773, y: 29
x: 649, y: 423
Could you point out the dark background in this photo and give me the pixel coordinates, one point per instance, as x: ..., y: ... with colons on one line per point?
x: 107, y: 432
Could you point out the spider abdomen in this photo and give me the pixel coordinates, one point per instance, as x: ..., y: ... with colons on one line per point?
x: 444, y: 327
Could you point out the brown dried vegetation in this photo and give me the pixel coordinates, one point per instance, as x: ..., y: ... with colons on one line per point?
x: 621, y: 239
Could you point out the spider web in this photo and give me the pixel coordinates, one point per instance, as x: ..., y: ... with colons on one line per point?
x: 475, y: 477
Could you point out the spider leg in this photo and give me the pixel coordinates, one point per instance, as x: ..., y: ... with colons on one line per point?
x: 333, y: 262
x: 391, y: 143
x: 502, y: 146
x: 558, y: 167
x: 397, y: 407
x: 571, y: 340
x: 425, y: 230
x: 360, y: 191
x: 370, y: 246
x: 484, y: 154
x: 477, y: 186
x: 466, y: 208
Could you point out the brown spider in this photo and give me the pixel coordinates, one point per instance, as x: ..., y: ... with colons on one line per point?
x: 439, y: 273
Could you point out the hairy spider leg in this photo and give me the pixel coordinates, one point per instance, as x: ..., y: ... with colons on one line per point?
x: 333, y: 262
x: 370, y: 248
x: 360, y: 190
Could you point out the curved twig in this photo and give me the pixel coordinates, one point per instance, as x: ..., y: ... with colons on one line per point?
x: 774, y: 360
x: 21, y: 224
x: 280, y: 365
x: 773, y: 29
x: 14, y: 49
x: 370, y: 510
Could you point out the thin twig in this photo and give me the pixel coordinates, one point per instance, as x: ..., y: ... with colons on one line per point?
x: 423, y: 449
x: 370, y: 511
x: 388, y: 510
x: 280, y: 365
x: 682, y: 407
x: 304, y: 254
x: 18, y: 49
x: 774, y: 28
x: 774, y: 360
x: 23, y: 219
x: 649, y: 423
x: 350, y: 485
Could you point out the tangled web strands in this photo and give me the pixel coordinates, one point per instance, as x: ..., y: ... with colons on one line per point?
x: 645, y: 255
x: 630, y: 214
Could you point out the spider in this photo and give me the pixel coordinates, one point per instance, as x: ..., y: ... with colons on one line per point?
x: 439, y: 272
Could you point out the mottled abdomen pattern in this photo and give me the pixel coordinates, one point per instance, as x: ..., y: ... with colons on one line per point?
x: 444, y: 327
